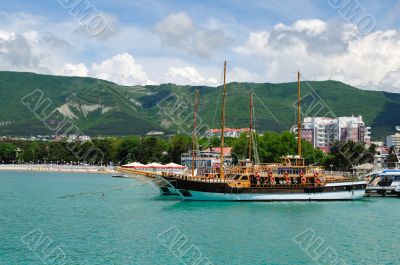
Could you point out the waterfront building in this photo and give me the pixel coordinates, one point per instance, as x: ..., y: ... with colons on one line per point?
x: 381, y: 155
x: 322, y: 132
x: 207, y: 159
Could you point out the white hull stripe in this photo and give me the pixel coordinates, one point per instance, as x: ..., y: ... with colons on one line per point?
x: 211, y: 196
x: 336, y: 184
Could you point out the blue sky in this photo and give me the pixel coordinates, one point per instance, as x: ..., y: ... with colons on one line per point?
x: 251, y: 13
x: 185, y: 42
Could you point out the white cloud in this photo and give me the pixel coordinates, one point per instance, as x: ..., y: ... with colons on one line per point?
x: 391, y: 81
x: 256, y: 44
x: 16, y: 53
x: 187, y: 76
x: 33, y: 52
x: 239, y: 74
x: 32, y: 44
x: 175, y: 29
x: 178, y: 32
x: 110, y: 30
x: 74, y: 70
x: 31, y: 36
x: 206, y: 42
x: 121, y: 69
x: 6, y: 36
x: 326, y: 51
x: 309, y: 26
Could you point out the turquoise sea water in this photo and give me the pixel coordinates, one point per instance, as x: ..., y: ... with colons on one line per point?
x: 41, y: 224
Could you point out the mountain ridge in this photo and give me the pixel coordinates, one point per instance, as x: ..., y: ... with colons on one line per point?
x: 100, y: 107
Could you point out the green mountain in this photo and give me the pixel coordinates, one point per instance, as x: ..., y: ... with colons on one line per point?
x: 34, y: 104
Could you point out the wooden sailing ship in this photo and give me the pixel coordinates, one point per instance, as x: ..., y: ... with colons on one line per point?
x: 290, y: 180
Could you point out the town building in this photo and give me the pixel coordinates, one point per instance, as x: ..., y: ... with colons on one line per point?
x: 393, y: 140
x: 80, y: 137
x: 228, y: 132
x: 154, y: 133
x: 322, y: 132
x: 381, y: 155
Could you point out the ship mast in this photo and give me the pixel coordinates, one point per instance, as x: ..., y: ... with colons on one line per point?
x: 298, y: 116
x: 221, y: 166
x: 194, y: 135
x: 251, y: 125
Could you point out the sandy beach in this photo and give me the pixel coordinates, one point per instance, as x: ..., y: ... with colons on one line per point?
x: 58, y: 168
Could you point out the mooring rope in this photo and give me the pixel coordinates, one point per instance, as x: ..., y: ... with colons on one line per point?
x: 100, y: 192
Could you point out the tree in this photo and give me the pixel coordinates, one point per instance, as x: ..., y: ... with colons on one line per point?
x: 272, y: 146
x: 392, y: 158
x: 179, y: 144
x: 63, y: 151
x: 116, y: 143
x: 153, y: 150
x: 240, y: 147
x: 7, y: 152
x: 312, y: 155
x: 105, y: 147
x: 128, y: 150
x: 345, y: 155
x: 214, y: 141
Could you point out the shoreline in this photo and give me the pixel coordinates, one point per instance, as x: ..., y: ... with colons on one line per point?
x: 58, y: 168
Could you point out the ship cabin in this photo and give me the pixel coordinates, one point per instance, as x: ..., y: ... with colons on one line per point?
x: 291, y: 172
x: 207, y: 161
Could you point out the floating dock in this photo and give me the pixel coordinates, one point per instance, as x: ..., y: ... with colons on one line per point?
x: 383, y: 191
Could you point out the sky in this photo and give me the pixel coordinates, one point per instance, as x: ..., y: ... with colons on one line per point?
x: 185, y: 42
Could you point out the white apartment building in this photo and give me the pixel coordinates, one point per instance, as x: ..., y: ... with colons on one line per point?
x: 393, y: 140
x: 322, y: 132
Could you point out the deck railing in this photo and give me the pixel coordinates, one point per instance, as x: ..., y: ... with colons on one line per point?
x: 277, y: 169
x: 212, y: 178
x: 287, y: 186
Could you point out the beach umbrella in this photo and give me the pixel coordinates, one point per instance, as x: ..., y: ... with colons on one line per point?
x: 173, y: 165
x: 133, y: 165
x: 154, y: 165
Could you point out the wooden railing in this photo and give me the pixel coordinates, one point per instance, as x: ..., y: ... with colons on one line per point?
x: 306, y: 185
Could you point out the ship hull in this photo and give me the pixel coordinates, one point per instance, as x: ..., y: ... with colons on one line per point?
x: 199, y: 191
x: 323, y: 196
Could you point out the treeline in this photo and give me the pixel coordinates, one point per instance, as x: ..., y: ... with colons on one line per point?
x: 121, y: 150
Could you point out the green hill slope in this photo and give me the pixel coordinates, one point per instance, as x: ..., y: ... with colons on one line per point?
x: 99, y: 107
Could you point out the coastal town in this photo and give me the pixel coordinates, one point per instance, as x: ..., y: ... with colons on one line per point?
x: 321, y: 132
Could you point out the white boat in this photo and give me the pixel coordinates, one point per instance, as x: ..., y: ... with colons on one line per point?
x: 397, y: 190
x: 384, y: 182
